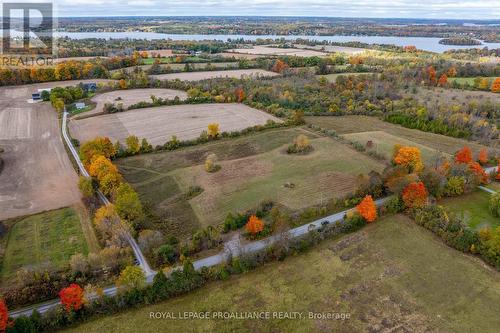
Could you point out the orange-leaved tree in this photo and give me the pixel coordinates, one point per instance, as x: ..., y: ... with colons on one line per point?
x: 415, y: 195
x: 495, y: 87
x: 464, y: 155
x: 483, y: 156
x: 240, y: 95
x: 254, y: 225
x: 279, y: 66
x: 443, y: 80
x: 367, y: 209
x: 431, y: 72
x: 4, y: 316
x: 479, y: 172
x: 72, y: 297
x: 410, y: 158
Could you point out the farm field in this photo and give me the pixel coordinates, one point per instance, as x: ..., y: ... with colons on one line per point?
x: 243, y: 183
x: 383, y: 143
x: 150, y: 174
x: 494, y: 186
x: 181, y: 67
x: 370, y: 274
x: 473, y: 209
x: 196, y: 76
x: 266, y: 50
x: 47, y: 239
x: 132, y: 96
x: 432, y: 96
x: 37, y: 174
x: 356, y: 124
x: 332, y: 48
x: 158, y: 124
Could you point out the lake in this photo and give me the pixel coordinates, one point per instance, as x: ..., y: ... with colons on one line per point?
x: 422, y: 43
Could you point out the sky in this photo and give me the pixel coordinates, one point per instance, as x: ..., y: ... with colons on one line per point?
x: 431, y: 9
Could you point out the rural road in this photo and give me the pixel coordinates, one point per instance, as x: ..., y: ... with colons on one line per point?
x: 133, y: 244
x: 215, y: 259
x: 230, y: 251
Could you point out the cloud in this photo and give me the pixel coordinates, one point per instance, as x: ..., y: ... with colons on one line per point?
x: 446, y: 9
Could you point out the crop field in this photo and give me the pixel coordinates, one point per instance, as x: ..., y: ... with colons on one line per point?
x: 266, y: 50
x: 132, y: 96
x: 333, y: 48
x: 473, y: 209
x: 383, y: 143
x: 158, y: 124
x: 47, y: 239
x: 253, y: 168
x: 372, y: 275
x: 196, y: 76
x: 356, y: 124
x: 181, y: 67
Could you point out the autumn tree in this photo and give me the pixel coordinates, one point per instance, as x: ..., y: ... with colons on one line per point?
x: 106, y: 173
x: 483, y: 156
x: 128, y: 205
x: 86, y: 186
x: 133, y: 146
x: 451, y: 72
x: 72, y: 297
x: 254, y: 225
x: 410, y: 158
x: 495, y: 87
x: 132, y: 277
x: 443, y: 80
x: 431, y: 72
x: 464, y: 156
x: 415, y: 195
x: 211, y: 163
x: 367, y: 209
x: 479, y: 172
x: 122, y: 84
x: 240, y: 95
x: 213, y: 130
x: 279, y: 66
x: 483, y: 84
x: 100, y: 146
x: 4, y: 316
x: 107, y: 221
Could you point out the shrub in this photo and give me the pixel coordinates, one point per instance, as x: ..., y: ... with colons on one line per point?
x: 300, y: 145
x: 254, y: 225
x: 454, y: 186
x: 415, y: 195
x: 72, y: 297
x: 495, y: 204
x: 132, y: 277
x: 210, y: 163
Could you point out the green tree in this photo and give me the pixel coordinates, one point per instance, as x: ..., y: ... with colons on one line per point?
x: 86, y: 186
x: 128, y: 204
x: 132, y: 277
x: 133, y: 146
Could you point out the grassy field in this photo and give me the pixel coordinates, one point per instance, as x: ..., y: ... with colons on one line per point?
x: 356, y: 124
x: 392, y: 276
x: 384, y: 143
x: 49, y: 238
x: 473, y: 209
x: 243, y: 183
x: 469, y: 80
x: 494, y: 186
x: 254, y: 168
x: 333, y: 77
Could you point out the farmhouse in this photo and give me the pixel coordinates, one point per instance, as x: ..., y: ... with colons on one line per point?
x: 80, y: 106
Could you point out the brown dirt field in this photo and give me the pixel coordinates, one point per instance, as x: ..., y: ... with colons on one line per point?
x: 196, y: 76
x: 161, y: 53
x: 240, y: 55
x: 356, y: 124
x: 265, y: 50
x: 59, y: 60
x: 180, y: 67
x: 132, y: 96
x: 158, y: 124
x: 38, y: 174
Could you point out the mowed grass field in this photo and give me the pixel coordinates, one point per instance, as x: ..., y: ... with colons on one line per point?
x: 473, y: 209
x: 45, y: 239
x: 333, y: 77
x: 327, y: 172
x: 357, y: 124
x: 392, y: 276
x: 253, y: 169
x: 383, y: 143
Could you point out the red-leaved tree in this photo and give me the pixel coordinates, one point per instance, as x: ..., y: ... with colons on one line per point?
x: 367, y: 209
x: 483, y: 156
x: 464, y: 155
x: 415, y: 195
x: 4, y: 316
x: 479, y: 172
x: 72, y: 297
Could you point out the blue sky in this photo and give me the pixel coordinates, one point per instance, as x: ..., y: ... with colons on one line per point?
x: 449, y: 9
